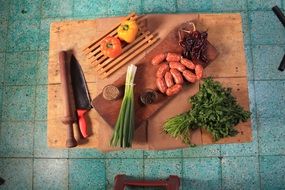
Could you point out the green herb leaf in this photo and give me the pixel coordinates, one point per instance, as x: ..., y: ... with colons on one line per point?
x: 213, y: 109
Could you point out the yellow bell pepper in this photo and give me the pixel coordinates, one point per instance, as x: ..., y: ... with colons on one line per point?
x: 128, y: 30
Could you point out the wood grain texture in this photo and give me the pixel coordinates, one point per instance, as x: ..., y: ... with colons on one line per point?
x: 225, y: 32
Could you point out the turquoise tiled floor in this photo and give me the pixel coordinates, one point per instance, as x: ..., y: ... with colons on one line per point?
x: 27, y: 163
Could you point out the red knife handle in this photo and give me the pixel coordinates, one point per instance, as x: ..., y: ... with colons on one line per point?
x: 82, y: 122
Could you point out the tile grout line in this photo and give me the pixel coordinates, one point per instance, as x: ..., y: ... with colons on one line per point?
x: 254, y: 88
x: 182, y: 170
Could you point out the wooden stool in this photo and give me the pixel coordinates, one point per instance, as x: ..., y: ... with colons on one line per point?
x: 171, y: 183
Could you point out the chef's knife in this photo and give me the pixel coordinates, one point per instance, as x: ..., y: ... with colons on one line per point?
x: 80, y: 92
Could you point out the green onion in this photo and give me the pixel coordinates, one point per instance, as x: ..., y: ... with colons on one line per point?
x: 124, y: 128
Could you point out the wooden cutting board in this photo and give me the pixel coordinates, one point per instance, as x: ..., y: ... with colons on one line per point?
x: 145, y: 79
x: 225, y: 33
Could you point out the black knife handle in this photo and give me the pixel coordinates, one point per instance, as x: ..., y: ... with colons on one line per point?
x: 282, y: 64
x: 279, y: 14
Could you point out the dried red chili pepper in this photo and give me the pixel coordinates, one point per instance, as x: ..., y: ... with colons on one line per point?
x: 194, y: 44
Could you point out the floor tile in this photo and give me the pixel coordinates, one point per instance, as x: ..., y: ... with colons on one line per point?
x: 243, y: 149
x: 42, y: 67
x: 18, y: 103
x: 16, y: 139
x: 271, y: 133
x: 85, y: 153
x: 17, y: 173
x: 87, y: 174
x: 266, y: 59
x: 264, y: 33
x: 51, y: 174
x: 252, y: 102
x: 41, y: 102
x: 91, y: 8
x: 2, y: 63
x: 57, y: 8
x: 21, y: 68
x: 263, y: 4
x: 23, y: 35
x: 202, y: 151
x: 41, y: 149
x: 163, y: 153
x: 249, y: 62
x: 44, y: 36
x: 201, y: 173
x: 272, y: 172
x: 24, y: 9
x: 125, y: 154
x: 3, y: 34
x: 228, y: 5
x: 1, y: 100
x: 163, y: 6
x: 245, y: 28
x: 118, y: 7
x: 194, y: 5
x: 129, y: 167
x: 240, y: 173
x: 269, y: 98
x: 162, y: 168
x: 4, y: 9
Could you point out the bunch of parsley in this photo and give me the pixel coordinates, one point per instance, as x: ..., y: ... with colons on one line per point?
x: 213, y: 109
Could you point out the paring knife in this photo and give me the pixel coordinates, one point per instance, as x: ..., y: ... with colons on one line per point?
x: 81, y: 95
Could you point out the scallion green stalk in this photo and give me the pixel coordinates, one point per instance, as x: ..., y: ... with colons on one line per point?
x: 124, y: 128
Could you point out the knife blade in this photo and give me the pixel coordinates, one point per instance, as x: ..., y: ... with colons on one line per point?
x: 81, y: 95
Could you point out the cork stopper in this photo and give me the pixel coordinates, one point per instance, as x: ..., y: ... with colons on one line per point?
x: 111, y: 92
